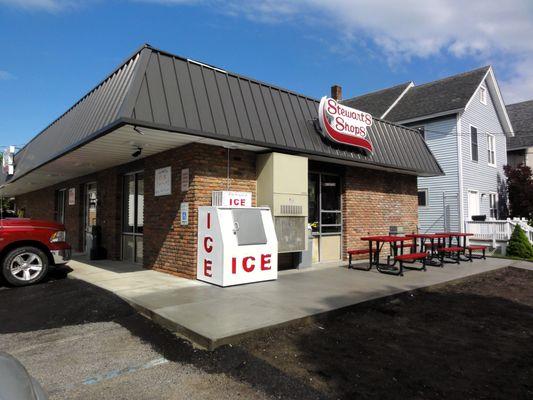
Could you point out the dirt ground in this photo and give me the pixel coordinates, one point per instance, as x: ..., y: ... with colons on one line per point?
x: 468, y: 340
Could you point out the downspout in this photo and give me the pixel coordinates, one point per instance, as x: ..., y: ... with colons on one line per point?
x: 460, y: 174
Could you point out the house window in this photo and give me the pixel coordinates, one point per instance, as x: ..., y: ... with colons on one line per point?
x: 60, y: 205
x: 493, y: 205
x: 483, y: 95
x: 491, y: 149
x: 422, y: 197
x: 473, y: 143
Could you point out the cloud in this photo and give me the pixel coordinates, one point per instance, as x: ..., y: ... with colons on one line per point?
x: 401, y: 31
x: 6, y: 76
x: 412, y: 29
x: 519, y: 85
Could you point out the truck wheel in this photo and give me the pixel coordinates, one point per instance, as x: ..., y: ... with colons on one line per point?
x: 24, y: 266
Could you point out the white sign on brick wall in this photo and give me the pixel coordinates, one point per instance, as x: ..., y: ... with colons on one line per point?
x: 163, y: 181
x: 185, y: 179
x: 226, y: 198
x: 72, y: 196
x: 184, y: 213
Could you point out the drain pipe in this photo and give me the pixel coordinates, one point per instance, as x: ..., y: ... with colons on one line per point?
x: 228, y: 170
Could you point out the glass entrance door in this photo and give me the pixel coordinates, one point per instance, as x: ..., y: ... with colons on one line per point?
x: 90, y: 209
x: 133, y: 217
x: 325, y: 215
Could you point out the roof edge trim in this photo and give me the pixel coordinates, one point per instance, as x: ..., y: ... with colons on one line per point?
x: 431, y: 116
x: 101, y: 82
x: 409, y: 86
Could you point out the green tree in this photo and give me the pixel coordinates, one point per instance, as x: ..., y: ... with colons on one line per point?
x: 520, y: 189
x: 519, y: 245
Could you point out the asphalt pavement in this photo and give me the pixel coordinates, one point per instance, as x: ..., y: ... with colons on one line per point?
x: 83, y: 342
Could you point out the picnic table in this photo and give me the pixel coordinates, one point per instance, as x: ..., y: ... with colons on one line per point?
x: 460, y: 237
x: 375, y: 247
x: 435, y: 242
x: 460, y: 242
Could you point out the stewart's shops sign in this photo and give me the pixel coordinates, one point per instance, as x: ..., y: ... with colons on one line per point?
x: 344, y: 124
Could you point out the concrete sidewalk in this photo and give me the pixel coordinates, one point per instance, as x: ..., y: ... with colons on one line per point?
x: 211, y: 316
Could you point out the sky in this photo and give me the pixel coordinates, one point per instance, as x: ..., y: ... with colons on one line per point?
x: 55, y: 51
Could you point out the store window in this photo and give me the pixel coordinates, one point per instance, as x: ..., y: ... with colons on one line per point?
x: 491, y: 149
x: 473, y: 143
x: 493, y: 205
x: 133, y: 217
x: 325, y: 215
x: 422, y: 197
x: 60, y: 205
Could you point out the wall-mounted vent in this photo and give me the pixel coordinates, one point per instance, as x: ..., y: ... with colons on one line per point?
x: 291, y: 209
x: 282, y: 186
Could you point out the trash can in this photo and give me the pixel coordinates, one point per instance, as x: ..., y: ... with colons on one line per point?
x: 97, y: 252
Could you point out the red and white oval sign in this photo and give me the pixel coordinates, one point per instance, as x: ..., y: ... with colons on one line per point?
x: 344, y: 124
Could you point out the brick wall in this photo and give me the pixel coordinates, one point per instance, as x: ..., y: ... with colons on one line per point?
x: 375, y: 200
x: 168, y: 245
x: 372, y: 201
x: 41, y: 204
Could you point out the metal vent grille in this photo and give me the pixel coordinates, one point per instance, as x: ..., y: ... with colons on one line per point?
x: 216, y: 199
x: 290, y: 209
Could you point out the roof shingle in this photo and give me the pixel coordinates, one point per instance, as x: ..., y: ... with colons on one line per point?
x: 521, y: 116
x: 440, y: 96
x: 378, y: 102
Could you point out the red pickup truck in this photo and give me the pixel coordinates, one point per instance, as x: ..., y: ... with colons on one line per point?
x: 28, y: 247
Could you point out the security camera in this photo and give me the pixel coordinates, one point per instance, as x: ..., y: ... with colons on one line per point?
x: 137, y: 152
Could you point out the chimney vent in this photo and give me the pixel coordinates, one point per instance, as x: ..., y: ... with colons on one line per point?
x: 336, y: 92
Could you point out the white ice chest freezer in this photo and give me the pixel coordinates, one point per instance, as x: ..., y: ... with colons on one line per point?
x: 236, y: 245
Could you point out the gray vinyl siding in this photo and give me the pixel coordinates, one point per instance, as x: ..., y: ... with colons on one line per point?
x: 480, y: 175
x: 443, y: 190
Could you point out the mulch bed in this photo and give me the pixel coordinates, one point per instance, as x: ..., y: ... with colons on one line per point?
x: 469, y: 340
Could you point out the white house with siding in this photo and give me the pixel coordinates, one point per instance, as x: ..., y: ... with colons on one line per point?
x: 465, y: 123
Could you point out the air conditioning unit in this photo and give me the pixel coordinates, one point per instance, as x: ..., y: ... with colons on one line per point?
x: 282, y: 186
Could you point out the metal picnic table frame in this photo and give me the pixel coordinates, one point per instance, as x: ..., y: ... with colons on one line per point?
x: 374, y: 254
x: 434, y: 257
x: 460, y: 243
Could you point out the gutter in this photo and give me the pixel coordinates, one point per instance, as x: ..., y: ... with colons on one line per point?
x: 131, y: 121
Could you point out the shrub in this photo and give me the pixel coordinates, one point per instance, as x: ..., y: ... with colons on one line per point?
x: 519, y: 245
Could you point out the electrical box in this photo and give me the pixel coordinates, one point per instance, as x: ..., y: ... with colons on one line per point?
x: 236, y: 245
x: 282, y: 181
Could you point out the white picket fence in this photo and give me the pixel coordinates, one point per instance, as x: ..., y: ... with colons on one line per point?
x: 497, y: 230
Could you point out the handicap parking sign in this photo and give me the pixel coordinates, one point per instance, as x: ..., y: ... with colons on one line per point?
x: 184, y: 212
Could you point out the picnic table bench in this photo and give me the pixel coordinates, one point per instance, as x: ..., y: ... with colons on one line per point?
x: 472, y: 248
x: 451, y: 252
x: 412, y: 258
x: 431, y: 248
x: 356, y: 252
